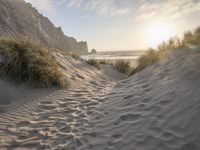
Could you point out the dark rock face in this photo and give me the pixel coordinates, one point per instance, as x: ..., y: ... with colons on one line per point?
x: 18, y: 18
x: 94, y: 51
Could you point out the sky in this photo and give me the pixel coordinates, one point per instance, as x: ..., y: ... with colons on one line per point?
x: 121, y: 24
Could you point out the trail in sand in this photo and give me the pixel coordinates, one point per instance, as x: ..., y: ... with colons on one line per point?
x: 156, y: 109
x: 59, y: 119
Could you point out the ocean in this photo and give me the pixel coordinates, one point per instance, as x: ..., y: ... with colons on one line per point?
x: 113, y: 56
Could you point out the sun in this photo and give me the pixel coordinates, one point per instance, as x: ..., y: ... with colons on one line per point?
x: 158, y: 32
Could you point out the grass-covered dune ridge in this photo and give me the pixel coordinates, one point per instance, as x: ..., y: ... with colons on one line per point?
x: 122, y: 66
x: 153, y: 55
x: 25, y: 61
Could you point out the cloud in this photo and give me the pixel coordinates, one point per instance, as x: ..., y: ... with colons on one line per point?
x: 146, y: 15
x: 84, y: 16
x: 76, y: 3
x: 173, y: 9
x: 101, y: 7
x: 111, y: 30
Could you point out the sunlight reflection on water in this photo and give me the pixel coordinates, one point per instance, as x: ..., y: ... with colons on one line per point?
x: 112, y: 57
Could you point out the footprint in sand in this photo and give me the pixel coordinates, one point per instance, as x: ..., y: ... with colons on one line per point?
x: 23, y: 123
x: 142, y: 105
x: 106, y: 113
x: 65, y: 129
x: 144, y: 86
x: 93, y: 134
x: 116, y: 122
x: 146, y: 100
x: 147, y: 89
x: 129, y: 96
x: 116, y: 136
x: 48, y: 106
x: 46, y: 103
x: 167, y: 136
x: 165, y: 102
x: 130, y: 117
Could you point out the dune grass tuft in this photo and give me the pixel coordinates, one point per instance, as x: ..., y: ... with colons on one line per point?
x: 94, y: 63
x: 104, y: 62
x: 123, y: 66
x: 25, y: 61
x: 147, y: 59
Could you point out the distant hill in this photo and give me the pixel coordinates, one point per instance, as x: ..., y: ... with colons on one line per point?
x: 18, y: 18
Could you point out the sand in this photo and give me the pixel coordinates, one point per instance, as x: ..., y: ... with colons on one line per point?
x: 156, y: 109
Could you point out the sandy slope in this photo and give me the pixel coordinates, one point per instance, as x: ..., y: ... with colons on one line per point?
x: 156, y: 109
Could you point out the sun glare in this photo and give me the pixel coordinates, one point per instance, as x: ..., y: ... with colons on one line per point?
x: 158, y: 32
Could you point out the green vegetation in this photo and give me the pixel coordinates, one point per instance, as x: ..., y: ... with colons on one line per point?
x: 191, y: 38
x: 94, y: 63
x: 104, y: 62
x: 153, y: 55
x: 25, y: 61
x: 123, y: 67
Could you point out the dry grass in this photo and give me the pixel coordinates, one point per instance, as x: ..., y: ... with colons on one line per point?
x: 94, y: 63
x: 25, y: 61
x: 103, y: 62
x: 147, y: 59
x: 123, y: 66
x: 153, y: 55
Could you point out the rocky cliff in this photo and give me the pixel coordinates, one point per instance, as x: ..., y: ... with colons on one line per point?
x: 18, y: 18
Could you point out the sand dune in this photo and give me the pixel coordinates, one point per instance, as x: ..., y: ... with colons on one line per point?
x: 53, y: 118
x: 156, y: 109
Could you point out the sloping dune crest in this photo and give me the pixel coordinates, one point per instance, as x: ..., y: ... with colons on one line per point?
x: 156, y: 109
x: 53, y: 118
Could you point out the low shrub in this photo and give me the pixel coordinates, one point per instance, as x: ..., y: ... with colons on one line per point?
x: 104, y: 62
x: 28, y: 62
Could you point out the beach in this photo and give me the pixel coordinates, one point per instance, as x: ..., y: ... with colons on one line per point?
x: 99, y: 75
x: 111, y: 57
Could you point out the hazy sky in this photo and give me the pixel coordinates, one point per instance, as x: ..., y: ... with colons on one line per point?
x: 121, y: 24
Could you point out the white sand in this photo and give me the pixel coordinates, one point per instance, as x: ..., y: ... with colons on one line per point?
x: 156, y: 109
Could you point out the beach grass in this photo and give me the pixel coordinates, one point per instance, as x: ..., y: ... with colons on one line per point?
x: 94, y: 63
x: 123, y: 66
x: 147, y: 59
x: 25, y: 61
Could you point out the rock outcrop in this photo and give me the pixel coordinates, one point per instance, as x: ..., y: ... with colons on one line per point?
x: 18, y: 18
